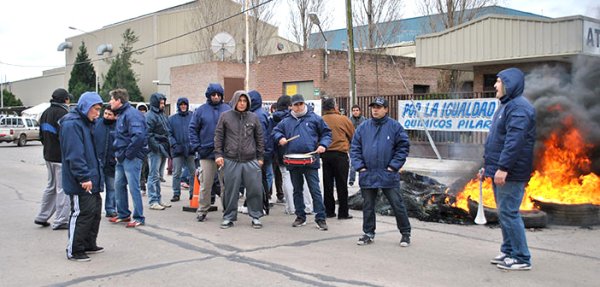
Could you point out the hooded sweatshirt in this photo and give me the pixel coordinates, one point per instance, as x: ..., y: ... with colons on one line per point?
x: 265, y: 121
x: 204, y: 121
x: 158, y: 126
x: 179, y: 134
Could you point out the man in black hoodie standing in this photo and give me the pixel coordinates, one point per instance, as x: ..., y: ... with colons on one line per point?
x: 54, y: 198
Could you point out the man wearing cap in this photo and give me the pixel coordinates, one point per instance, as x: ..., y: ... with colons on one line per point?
x: 379, y: 149
x: 314, y: 137
x: 202, y: 140
x: 239, y: 151
x: 335, y: 160
x: 54, y: 199
x: 82, y: 176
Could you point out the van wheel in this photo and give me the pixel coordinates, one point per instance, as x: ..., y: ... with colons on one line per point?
x: 22, y: 140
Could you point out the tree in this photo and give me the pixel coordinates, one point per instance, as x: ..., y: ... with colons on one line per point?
x: 83, y: 75
x: 206, y: 14
x: 259, y: 31
x: 120, y: 74
x: 300, y: 24
x: 10, y: 100
x: 372, y: 13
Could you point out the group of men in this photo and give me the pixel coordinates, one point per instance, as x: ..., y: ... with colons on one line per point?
x: 237, y: 142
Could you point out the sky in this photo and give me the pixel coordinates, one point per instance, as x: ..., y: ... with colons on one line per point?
x: 30, y: 30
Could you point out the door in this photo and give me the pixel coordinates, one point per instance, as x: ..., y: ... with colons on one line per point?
x: 230, y: 86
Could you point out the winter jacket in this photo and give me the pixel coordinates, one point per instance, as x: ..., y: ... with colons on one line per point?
x: 357, y: 121
x: 313, y: 132
x: 49, y: 130
x: 179, y: 134
x: 342, y: 131
x: 239, y: 135
x: 510, y: 142
x: 377, y: 146
x: 278, y: 151
x: 203, y: 124
x: 157, y: 127
x: 265, y: 121
x: 104, y: 136
x: 130, y: 137
x: 79, y: 162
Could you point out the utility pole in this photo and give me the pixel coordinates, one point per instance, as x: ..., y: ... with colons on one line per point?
x: 247, y: 78
x: 351, y: 67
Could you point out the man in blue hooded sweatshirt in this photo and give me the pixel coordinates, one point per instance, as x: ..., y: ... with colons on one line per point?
x: 81, y: 176
x: 508, y: 159
x: 157, y: 126
x: 181, y: 152
x: 267, y: 127
x: 202, y: 139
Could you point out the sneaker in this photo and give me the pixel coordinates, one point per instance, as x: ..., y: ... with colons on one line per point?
x: 351, y: 183
x: 201, y: 217
x: 63, y: 226
x: 94, y: 250
x: 185, y: 185
x: 175, y: 198
x: 345, y: 217
x: 156, y: 206
x: 134, y: 223
x: 365, y: 240
x: 499, y: 259
x: 243, y: 209
x: 165, y: 205
x: 163, y: 180
x: 280, y: 200
x: 111, y: 215
x: 513, y: 264
x: 321, y: 224
x: 42, y: 223
x: 405, y: 241
x: 299, y: 222
x: 331, y: 215
x: 256, y: 224
x: 117, y: 219
x: 226, y: 224
x: 79, y: 257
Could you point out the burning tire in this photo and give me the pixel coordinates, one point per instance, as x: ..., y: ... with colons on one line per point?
x: 531, y: 218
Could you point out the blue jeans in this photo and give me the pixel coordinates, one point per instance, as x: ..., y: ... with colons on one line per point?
x: 395, y: 199
x: 128, y: 173
x: 508, y: 200
x: 154, y: 164
x: 298, y: 174
x: 178, y: 164
x: 110, y: 204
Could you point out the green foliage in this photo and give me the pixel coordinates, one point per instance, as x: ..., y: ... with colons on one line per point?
x: 120, y: 74
x: 83, y: 75
x: 10, y: 100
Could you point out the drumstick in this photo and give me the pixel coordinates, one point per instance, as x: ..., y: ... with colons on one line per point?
x: 293, y: 138
x: 311, y: 153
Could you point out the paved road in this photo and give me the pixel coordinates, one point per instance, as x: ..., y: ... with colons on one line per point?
x: 173, y: 249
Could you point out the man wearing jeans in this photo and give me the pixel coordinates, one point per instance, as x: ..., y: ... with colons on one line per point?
x: 179, y: 138
x: 379, y: 149
x: 157, y: 126
x: 509, y: 161
x: 130, y: 149
x: 104, y: 136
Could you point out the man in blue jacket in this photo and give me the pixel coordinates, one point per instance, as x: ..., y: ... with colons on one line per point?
x: 202, y: 139
x: 314, y: 136
x: 81, y: 176
x: 104, y: 136
x: 181, y: 152
x: 509, y: 161
x: 267, y: 127
x: 379, y: 149
x: 157, y: 127
x: 130, y: 149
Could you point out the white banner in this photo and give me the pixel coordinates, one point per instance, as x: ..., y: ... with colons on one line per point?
x: 448, y: 115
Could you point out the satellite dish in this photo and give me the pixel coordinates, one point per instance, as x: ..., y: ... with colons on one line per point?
x: 223, y: 44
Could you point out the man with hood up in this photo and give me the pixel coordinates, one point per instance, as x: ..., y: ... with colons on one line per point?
x: 508, y: 159
x: 104, y: 136
x: 267, y: 127
x: 202, y: 139
x: 239, y: 150
x: 158, y: 129
x: 181, y: 152
x: 82, y: 176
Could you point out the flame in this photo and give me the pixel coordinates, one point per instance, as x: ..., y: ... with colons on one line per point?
x: 562, y: 176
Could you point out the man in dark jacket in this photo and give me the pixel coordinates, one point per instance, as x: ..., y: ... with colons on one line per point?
x: 54, y: 199
x: 356, y: 118
x: 267, y: 127
x: 104, y: 136
x: 239, y: 150
x: 509, y: 161
x: 379, y: 149
x: 181, y: 152
x: 157, y: 127
x: 202, y: 139
x: 82, y: 176
x: 130, y: 149
x: 314, y: 137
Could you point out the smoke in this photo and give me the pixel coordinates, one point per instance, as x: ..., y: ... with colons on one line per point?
x: 563, y: 99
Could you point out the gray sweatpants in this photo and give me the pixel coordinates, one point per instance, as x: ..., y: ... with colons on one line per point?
x: 54, y: 198
x: 234, y: 174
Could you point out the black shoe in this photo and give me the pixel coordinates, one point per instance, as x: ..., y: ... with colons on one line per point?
x: 226, y: 224
x: 175, y: 198
x: 94, y: 250
x: 405, y: 241
x: 162, y: 180
x: 345, y: 217
x: 111, y: 215
x: 42, y: 223
x: 365, y: 240
x: 80, y: 257
x: 321, y: 224
x: 61, y: 227
x: 331, y: 215
x: 351, y: 183
x: 201, y: 217
x: 299, y: 222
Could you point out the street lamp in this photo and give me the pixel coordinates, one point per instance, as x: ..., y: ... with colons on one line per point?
x: 315, y: 20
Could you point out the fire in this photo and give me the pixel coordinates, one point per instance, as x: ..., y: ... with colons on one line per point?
x: 557, y: 179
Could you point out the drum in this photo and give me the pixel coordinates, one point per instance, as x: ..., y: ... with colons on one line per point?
x: 298, y: 159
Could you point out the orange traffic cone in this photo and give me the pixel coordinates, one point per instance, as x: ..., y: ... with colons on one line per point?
x: 195, y: 195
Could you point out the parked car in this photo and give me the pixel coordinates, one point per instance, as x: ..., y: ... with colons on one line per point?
x: 19, y: 130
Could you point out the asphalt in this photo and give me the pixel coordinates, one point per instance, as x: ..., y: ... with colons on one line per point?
x: 172, y: 249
